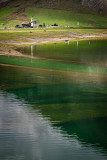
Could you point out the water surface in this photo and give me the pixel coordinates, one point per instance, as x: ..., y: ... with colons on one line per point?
x: 89, y: 52
x: 53, y: 114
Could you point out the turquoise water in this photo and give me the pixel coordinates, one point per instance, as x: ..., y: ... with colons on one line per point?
x: 84, y: 56
x: 48, y: 114
x: 89, y: 52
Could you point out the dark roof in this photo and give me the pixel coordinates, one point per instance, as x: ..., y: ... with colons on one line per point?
x: 25, y: 22
x: 36, y: 22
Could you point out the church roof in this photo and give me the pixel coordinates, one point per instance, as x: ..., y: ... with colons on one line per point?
x: 36, y: 22
x: 25, y: 22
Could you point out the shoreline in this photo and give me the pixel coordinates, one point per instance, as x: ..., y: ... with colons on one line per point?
x: 71, y: 37
x: 7, y: 47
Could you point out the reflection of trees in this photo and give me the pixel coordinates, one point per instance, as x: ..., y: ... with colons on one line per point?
x: 76, y: 115
x: 60, y: 93
x: 79, y: 108
x: 90, y: 132
x: 75, y: 111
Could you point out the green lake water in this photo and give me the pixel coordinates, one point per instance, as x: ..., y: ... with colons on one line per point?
x: 53, y: 106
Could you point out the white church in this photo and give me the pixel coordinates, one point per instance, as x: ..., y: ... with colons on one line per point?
x: 34, y: 23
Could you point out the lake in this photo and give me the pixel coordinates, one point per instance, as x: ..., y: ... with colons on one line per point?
x: 53, y: 104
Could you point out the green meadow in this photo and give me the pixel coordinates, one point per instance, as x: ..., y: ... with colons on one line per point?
x: 4, y: 20
x: 52, y: 16
x: 64, y: 18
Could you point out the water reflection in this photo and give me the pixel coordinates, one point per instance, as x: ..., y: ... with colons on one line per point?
x: 26, y: 134
x: 77, y: 44
x: 32, y: 50
x: 89, y: 43
x: 80, y: 52
x: 55, y: 114
x: 52, y: 115
x: 67, y: 41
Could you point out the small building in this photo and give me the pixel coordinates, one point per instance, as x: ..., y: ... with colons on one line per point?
x: 34, y: 23
x: 26, y: 24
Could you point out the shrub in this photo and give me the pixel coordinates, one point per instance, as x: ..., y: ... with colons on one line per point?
x: 55, y: 24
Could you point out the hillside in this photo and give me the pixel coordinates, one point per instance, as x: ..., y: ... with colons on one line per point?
x: 75, y: 13
x: 97, y: 5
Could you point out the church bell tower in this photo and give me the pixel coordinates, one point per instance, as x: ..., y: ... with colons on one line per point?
x: 32, y: 21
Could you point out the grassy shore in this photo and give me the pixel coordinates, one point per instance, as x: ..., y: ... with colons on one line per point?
x: 20, y: 35
x: 10, y: 38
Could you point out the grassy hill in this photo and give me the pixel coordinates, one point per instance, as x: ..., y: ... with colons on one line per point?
x: 64, y: 18
x: 50, y: 12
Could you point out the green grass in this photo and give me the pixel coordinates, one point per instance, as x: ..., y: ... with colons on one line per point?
x: 4, y: 12
x: 51, y: 16
x: 7, y: 34
x: 13, y: 23
x: 64, y: 18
